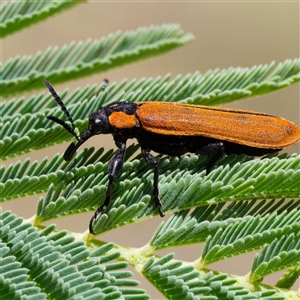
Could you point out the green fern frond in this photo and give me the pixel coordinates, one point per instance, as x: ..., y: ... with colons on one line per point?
x: 280, y: 254
x: 289, y: 278
x: 18, y: 15
x: 14, y: 278
x: 248, y: 234
x: 205, y: 221
x: 59, y: 265
x: 218, y: 87
x: 80, y: 59
x: 178, y: 280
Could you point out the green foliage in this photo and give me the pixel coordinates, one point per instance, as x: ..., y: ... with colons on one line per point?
x: 231, y: 228
x: 289, y: 278
x: 277, y: 255
x: 17, y: 15
x: 45, y: 263
x: 178, y: 281
x: 80, y: 59
x: 240, y: 206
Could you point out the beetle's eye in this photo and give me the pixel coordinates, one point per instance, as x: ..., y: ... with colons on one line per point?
x: 95, y: 125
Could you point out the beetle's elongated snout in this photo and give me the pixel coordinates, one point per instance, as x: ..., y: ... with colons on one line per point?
x: 84, y: 136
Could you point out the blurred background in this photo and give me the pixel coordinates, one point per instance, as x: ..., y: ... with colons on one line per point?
x: 226, y: 34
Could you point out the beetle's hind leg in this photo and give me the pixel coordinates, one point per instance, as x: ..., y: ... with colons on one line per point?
x: 217, y: 148
x: 152, y: 161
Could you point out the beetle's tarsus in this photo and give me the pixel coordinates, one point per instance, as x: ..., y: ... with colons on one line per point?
x: 159, y: 206
x: 95, y: 217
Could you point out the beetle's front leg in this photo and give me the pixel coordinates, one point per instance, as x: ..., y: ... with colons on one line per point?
x: 115, y: 165
x: 152, y: 161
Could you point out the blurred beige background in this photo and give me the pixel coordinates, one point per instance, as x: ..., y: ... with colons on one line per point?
x: 227, y: 34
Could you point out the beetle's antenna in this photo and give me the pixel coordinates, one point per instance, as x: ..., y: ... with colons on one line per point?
x: 59, y: 102
x: 63, y: 124
x: 70, y: 129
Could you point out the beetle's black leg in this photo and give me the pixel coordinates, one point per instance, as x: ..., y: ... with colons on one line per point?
x: 217, y: 148
x: 115, y: 165
x: 152, y: 161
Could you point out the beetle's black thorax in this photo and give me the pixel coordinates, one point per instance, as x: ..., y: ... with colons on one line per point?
x: 127, y: 107
x: 122, y: 120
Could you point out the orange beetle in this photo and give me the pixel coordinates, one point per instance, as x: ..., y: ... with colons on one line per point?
x: 175, y: 129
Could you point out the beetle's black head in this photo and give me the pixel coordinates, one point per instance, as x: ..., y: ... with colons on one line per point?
x: 98, y: 123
